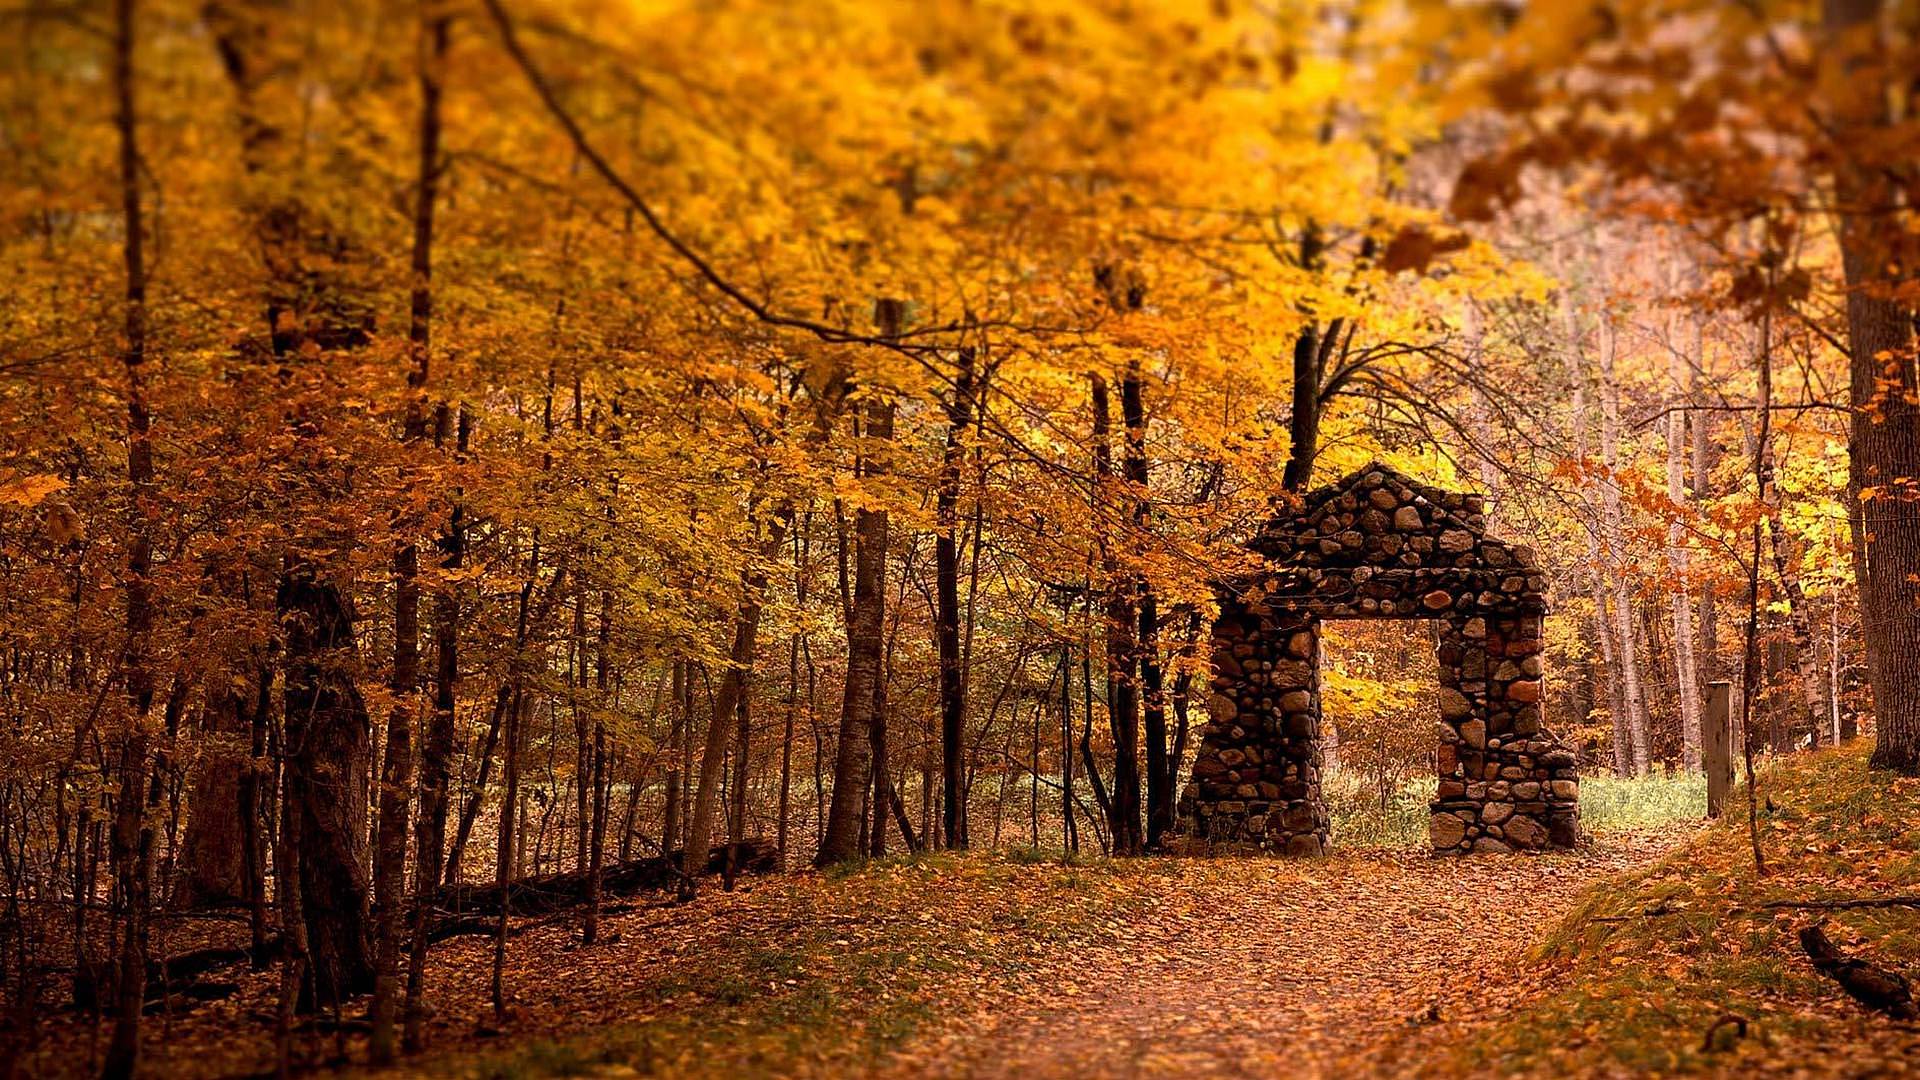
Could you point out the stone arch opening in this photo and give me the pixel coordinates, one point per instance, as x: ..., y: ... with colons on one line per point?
x: 1378, y: 545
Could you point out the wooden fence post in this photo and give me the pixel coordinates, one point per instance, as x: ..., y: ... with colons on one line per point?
x: 1716, y: 737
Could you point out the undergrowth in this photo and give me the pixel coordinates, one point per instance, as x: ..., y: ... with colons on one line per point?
x: 1658, y: 970
x: 1364, y: 817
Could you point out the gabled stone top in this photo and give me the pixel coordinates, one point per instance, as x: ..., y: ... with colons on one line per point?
x: 1377, y: 538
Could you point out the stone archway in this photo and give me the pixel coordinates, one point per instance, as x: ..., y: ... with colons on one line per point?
x: 1379, y: 545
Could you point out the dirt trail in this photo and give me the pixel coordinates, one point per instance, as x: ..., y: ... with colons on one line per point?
x: 1277, y: 969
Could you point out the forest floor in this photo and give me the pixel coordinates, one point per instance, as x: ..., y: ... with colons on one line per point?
x: 1363, y: 963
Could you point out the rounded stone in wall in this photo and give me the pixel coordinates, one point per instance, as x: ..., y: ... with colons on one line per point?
x: 1446, y: 831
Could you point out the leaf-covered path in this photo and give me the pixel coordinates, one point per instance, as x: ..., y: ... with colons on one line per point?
x: 1265, y: 968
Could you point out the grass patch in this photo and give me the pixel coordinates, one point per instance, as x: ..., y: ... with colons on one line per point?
x: 1650, y: 961
x: 1364, y: 817
x: 1608, y: 803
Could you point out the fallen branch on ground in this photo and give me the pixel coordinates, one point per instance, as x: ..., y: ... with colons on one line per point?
x: 1847, y: 904
x: 548, y: 893
x: 1869, y: 984
x: 468, y: 909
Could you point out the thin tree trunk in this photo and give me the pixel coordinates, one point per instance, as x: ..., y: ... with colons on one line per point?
x: 682, y: 695
x: 1592, y: 526
x: 132, y: 831
x: 724, y: 719
x: 1687, y: 676
x: 597, y: 833
x: 256, y: 782
x: 1631, y: 683
x: 1122, y: 624
x: 506, y: 864
x: 953, y: 700
x: 391, y: 845
x: 293, y: 921
x: 476, y: 798
x: 430, y: 839
x: 396, y: 781
x: 1806, y: 650
x: 1160, y: 780
x: 1707, y: 639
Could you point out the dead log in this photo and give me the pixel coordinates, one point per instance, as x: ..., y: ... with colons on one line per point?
x: 548, y: 893
x: 1871, y: 985
x: 463, y: 909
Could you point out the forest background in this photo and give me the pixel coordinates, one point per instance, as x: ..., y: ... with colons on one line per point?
x: 588, y: 430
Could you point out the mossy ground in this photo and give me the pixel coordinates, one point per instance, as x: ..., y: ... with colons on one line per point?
x: 1635, y: 978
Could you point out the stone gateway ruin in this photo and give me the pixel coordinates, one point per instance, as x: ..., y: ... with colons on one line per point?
x: 1378, y: 545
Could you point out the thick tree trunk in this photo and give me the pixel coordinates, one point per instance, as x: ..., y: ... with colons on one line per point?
x: 213, y: 868
x: 852, y: 772
x: 327, y: 736
x: 1884, y: 447
x: 314, y: 303
x: 840, y: 841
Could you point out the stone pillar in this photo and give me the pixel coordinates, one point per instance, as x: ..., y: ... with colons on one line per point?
x: 1256, y: 778
x: 1504, y: 784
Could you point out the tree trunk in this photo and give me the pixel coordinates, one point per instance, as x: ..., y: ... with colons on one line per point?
x: 597, y: 832
x: 1160, y: 779
x: 953, y: 689
x: 1884, y: 443
x: 430, y: 835
x: 477, y: 797
x: 293, y: 958
x: 724, y: 718
x: 1686, y: 675
x: 327, y: 734
x: 396, y: 788
x: 1806, y: 650
x: 396, y: 779
x: 1303, y: 424
x: 256, y: 784
x: 1122, y: 625
x: 1631, y: 684
x: 1707, y: 640
x: 213, y: 870
x: 682, y: 695
x: 742, y: 747
x: 132, y: 831
x: 506, y: 861
x: 852, y: 775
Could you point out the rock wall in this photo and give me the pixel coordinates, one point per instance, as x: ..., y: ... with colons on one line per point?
x: 1378, y: 545
x: 1256, y: 781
